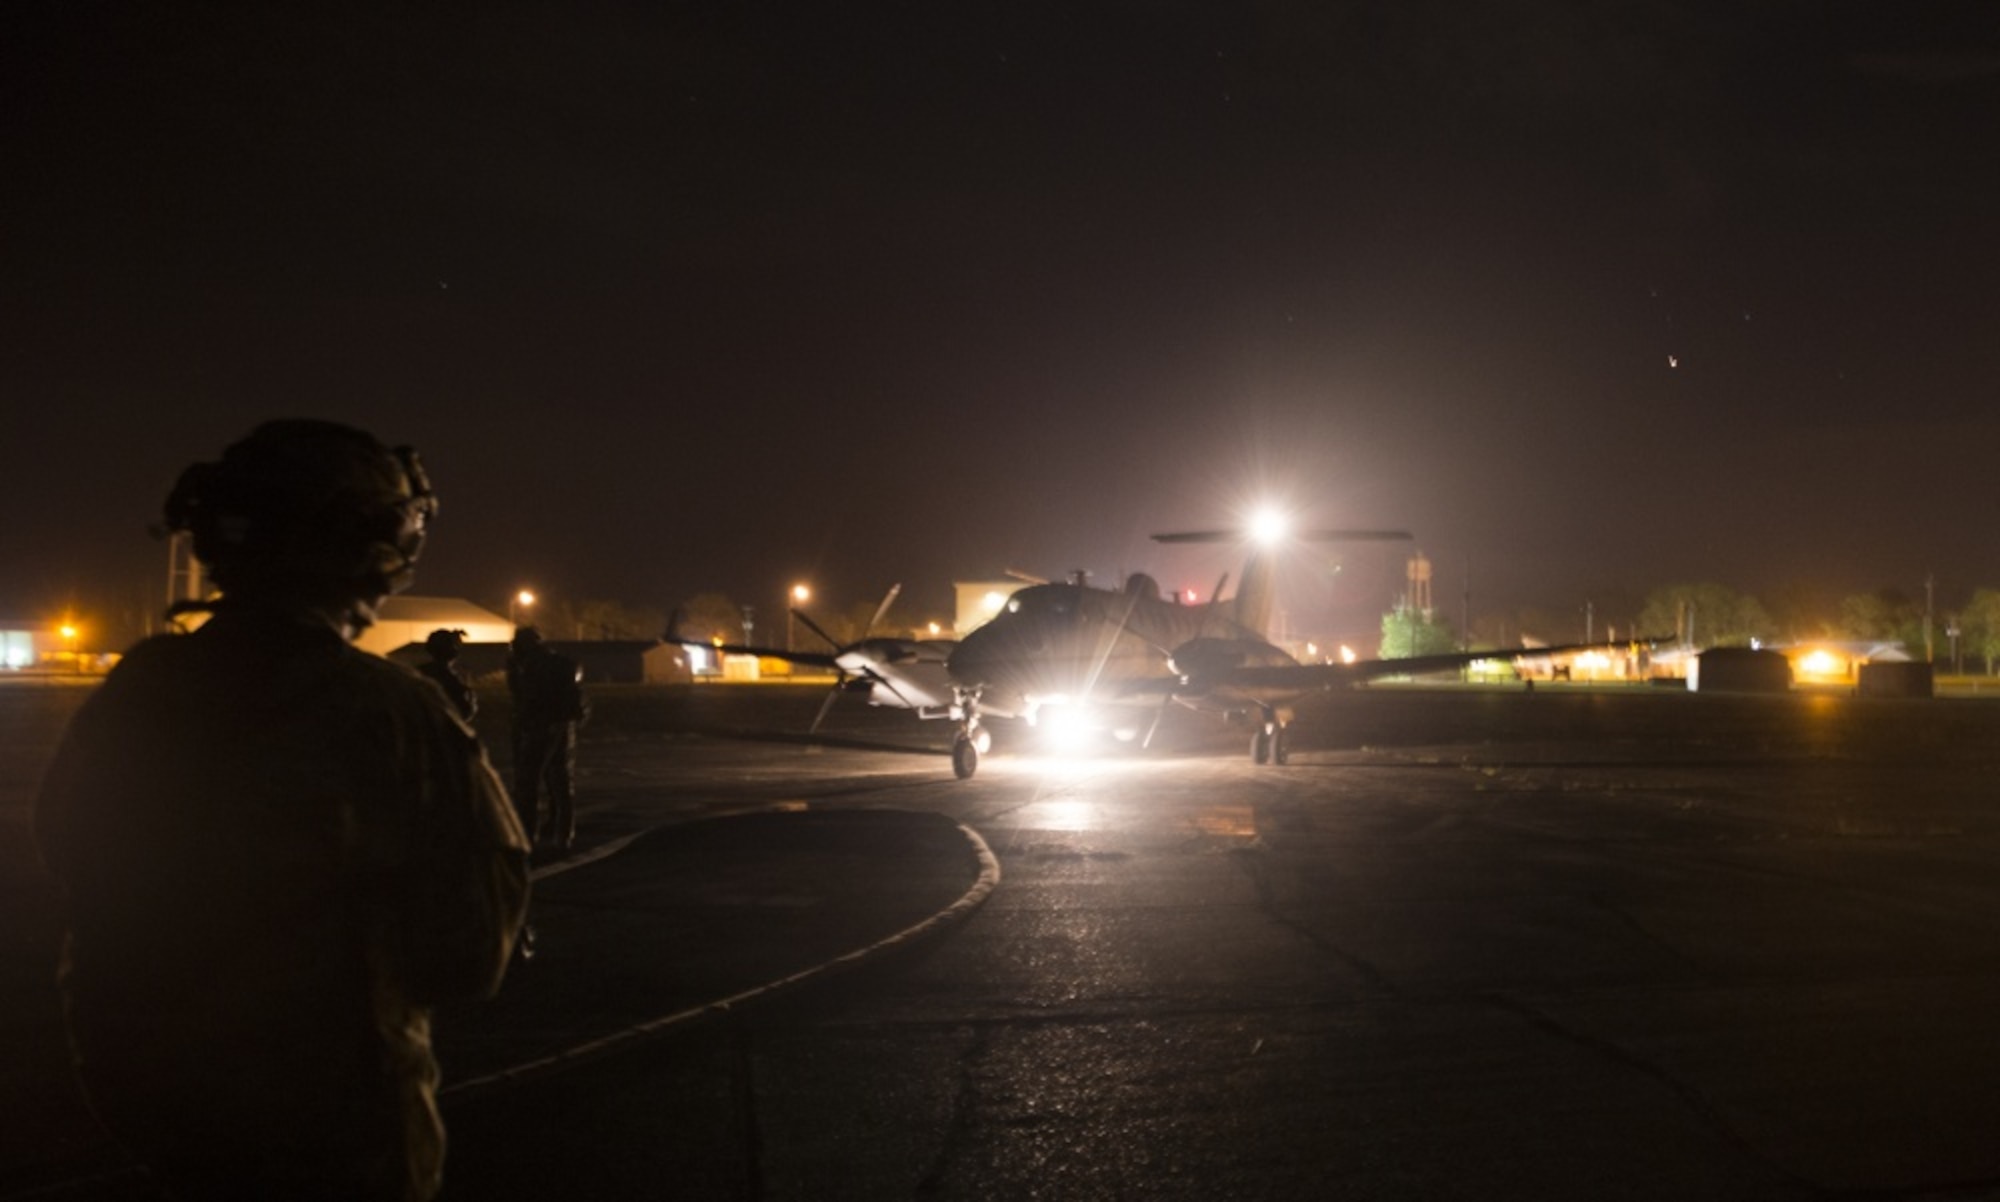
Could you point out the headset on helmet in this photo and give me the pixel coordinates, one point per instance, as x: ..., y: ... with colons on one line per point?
x: 306, y: 503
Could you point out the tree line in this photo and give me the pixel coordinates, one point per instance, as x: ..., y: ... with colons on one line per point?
x: 1715, y: 615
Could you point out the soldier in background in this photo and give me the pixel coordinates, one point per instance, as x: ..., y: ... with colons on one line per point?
x: 442, y: 669
x: 278, y: 852
x: 549, y: 704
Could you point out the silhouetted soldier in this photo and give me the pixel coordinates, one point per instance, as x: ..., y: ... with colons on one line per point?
x: 441, y: 668
x: 548, y: 705
x: 279, y: 852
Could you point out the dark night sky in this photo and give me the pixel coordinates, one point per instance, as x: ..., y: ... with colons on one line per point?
x: 674, y: 298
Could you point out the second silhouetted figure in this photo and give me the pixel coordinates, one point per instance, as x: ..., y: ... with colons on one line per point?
x: 548, y: 705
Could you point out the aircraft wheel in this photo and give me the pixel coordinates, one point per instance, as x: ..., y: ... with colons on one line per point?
x: 964, y: 757
x: 1260, y: 746
x: 1281, y: 746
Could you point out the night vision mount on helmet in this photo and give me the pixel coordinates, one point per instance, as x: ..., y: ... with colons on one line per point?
x: 306, y: 505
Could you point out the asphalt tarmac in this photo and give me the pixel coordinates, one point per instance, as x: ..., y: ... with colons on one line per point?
x: 1467, y: 945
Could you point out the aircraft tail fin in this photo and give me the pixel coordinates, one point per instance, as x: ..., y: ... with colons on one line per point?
x: 1256, y: 589
x: 1256, y: 594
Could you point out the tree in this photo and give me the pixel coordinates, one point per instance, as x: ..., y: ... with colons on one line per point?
x: 605, y: 620
x: 1802, y: 611
x: 1980, y: 624
x: 711, y: 616
x: 1408, y: 631
x: 1886, y: 615
x: 1708, y: 615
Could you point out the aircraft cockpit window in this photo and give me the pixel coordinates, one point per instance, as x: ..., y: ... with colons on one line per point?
x: 1052, y: 601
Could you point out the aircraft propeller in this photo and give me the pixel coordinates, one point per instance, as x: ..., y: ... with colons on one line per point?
x: 1201, y: 629
x: 841, y: 673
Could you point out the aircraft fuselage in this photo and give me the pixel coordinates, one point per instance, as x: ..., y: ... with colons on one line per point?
x: 1069, y: 643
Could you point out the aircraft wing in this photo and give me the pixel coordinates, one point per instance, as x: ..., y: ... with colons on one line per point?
x: 1306, y: 678
x: 810, y: 659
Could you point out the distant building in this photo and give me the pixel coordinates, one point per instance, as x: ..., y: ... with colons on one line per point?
x: 28, y: 645
x: 404, y: 620
x: 1836, y: 661
x: 22, y: 643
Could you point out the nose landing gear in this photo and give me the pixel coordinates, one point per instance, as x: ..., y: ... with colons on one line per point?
x: 972, y: 740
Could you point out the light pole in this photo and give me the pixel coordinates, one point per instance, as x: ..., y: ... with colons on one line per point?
x: 520, y: 601
x: 800, y: 595
x: 69, y: 640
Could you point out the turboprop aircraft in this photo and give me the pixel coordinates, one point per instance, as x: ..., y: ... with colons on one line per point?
x: 1070, y: 654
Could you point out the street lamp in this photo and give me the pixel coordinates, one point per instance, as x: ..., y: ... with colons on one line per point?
x: 800, y: 595
x: 69, y: 640
x: 518, y: 602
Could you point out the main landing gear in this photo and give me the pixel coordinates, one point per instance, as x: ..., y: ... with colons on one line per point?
x: 1271, y: 744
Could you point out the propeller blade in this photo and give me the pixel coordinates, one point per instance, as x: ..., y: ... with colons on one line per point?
x: 1146, y: 743
x: 824, y: 706
x: 813, y: 626
x: 1304, y: 536
x: 890, y: 685
x: 888, y: 599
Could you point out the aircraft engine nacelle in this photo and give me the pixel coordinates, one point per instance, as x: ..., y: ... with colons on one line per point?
x: 1197, y: 659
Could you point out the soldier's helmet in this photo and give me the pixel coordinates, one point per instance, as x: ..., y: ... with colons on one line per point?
x: 445, y: 644
x: 306, y: 506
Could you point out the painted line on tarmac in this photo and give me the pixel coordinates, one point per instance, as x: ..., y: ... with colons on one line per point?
x: 958, y: 911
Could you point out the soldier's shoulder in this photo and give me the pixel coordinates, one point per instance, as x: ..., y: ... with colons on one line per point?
x: 385, y: 676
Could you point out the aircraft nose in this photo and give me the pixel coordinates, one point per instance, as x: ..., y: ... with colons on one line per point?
x: 981, y: 657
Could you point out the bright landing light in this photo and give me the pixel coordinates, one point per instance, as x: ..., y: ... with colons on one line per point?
x: 1267, y: 526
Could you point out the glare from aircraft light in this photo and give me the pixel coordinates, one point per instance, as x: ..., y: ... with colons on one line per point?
x: 992, y: 602
x: 1062, y: 816
x: 1267, y: 526
x: 1064, y: 727
x: 1225, y: 821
